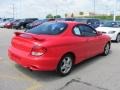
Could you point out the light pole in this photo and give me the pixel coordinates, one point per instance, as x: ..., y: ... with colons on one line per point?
x: 114, y: 15
x: 56, y: 10
x: 94, y: 2
x: 13, y: 11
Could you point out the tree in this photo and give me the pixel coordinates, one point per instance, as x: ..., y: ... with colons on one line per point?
x: 57, y: 16
x: 49, y: 16
x: 81, y: 13
x: 72, y: 15
x: 66, y: 14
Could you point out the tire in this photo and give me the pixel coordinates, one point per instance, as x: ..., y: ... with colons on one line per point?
x: 106, y: 49
x: 65, y: 65
x: 21, y: 27
x: 118, y: 38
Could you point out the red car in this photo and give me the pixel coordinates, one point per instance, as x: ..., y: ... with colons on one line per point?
x: 8, y: 25
x: 57, y: 46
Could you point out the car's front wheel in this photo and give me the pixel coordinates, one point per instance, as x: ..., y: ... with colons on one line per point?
x: 106, y: 49
x: 65, y: 65
x: 118, y: 38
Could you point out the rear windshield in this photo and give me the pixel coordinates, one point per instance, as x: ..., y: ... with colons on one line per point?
x: 50, y: 28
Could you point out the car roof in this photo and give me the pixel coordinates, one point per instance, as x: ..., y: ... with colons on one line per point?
x: 69, y: 22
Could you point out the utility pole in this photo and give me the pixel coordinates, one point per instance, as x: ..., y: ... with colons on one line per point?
x: 115, y: 7
x: 56, y: 10
x: 13, y: 11
x: 94, y: 2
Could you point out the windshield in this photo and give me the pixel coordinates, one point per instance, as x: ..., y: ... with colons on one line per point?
x: 69, y: 19
x: 81, y: 20
x: 39, y: 21
x: 109, y: 24
x: 50, y: 28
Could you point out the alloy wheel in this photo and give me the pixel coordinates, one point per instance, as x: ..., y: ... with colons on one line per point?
x: 107, y: 49
x: 65, y: 65
x: 118, y: 38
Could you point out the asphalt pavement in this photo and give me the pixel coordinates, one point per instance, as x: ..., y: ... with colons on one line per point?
x: 98, y: 73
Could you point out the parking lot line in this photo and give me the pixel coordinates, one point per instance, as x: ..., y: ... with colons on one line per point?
x: 11, y: 77
x: 25, y: 76
x: 34, y: 86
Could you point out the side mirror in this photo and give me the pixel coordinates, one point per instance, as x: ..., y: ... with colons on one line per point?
x: 99, y: 33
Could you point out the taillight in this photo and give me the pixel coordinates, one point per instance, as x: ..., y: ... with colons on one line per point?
x: 38, y: 51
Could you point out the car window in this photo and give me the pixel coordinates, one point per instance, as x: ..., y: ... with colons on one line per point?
x: 81, y: 20
x: 69, y: 19
x: 76, y: 31
x: 87, y: 30
x: 109, y: 24
x: 50, y: 28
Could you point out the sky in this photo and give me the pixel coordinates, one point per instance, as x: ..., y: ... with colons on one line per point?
x: 40, y: 8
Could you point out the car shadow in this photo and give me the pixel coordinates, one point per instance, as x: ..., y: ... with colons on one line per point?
x: 38, y: 75
x: 113, y: 42
x: 52, y: 76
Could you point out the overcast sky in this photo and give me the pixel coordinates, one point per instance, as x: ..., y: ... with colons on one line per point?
x: 40, y: 8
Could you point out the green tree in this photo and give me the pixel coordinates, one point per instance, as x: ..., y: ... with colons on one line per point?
x: 72, y: 15
x: 57, y: 16
x: 81, y: 13
x: 66, y: 14
x: 49, y: 16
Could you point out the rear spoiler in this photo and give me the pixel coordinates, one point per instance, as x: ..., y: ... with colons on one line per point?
x: 18, y: 33
x: 29, y: 36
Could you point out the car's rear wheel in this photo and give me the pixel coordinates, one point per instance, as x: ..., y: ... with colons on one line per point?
x: 65, y: 65
x: 106, y: 49
x: 118, y: 38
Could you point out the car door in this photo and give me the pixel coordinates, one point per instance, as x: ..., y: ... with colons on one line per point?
x: 93, y: 40
x: 81, y: 45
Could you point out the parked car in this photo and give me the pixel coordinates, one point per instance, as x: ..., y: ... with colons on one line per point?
x: 1, y: 20
x: 2, y: 23
x: 69, y: 19
x: 9, y: 24
x: 50, y: 19
x: 90, y: 21
x: 36, y: 23
x: 21, y: 24
x: 64, y: 19
x: 57, y: 46
x: 111, y: 29
x: 5, y: 21
x: 60, y: 19
x: 17, y: 24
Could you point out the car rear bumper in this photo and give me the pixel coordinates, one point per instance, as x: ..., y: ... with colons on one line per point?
x: 32, y: 62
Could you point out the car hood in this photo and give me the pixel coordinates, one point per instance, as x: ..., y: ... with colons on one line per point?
x: 107, y: 29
